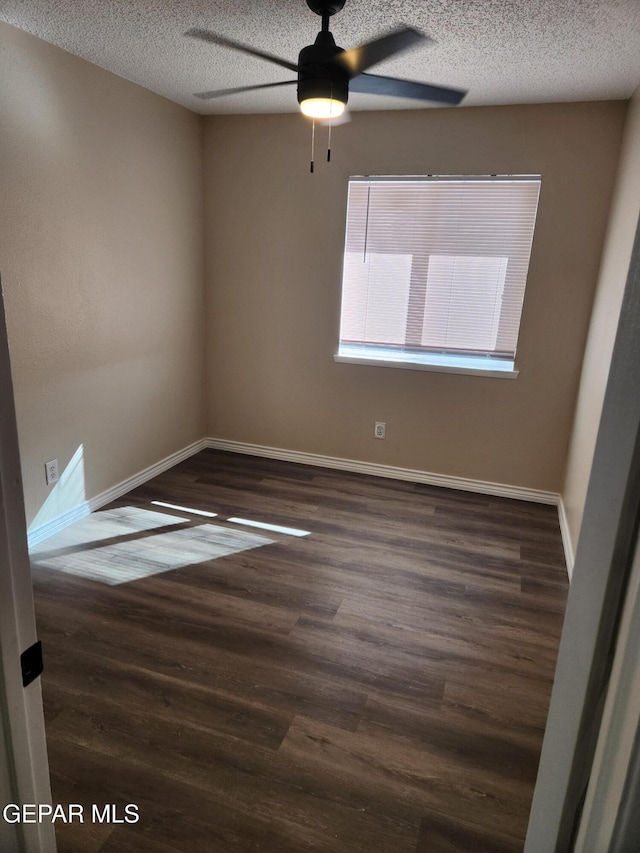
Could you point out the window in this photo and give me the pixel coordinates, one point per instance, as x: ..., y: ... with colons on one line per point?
x: 435, y: 270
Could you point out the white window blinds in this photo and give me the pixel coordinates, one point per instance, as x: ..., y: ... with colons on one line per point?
x: 436, y: 265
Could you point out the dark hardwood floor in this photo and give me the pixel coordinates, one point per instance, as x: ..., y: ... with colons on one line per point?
x: 379, y: 685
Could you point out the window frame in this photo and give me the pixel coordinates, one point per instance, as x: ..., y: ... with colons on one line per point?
x: 441, y: 361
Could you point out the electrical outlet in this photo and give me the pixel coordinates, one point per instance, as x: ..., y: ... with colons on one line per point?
x: 379, y: 430
x: 51, y: 471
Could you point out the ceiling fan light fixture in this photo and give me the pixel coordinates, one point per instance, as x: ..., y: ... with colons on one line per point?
x: 322, y: 107
x: 325, y: 71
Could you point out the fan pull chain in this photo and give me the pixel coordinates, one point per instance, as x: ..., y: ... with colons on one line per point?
x: 313, y: 143
x: 330, y: 123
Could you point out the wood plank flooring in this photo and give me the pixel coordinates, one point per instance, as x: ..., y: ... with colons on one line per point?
x: 377, y: 685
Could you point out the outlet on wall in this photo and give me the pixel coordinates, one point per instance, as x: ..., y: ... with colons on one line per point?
x: 51, y: 471
x: 379, y: 430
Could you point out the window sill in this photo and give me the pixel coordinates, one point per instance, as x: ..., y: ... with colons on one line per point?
x: 473, y: 365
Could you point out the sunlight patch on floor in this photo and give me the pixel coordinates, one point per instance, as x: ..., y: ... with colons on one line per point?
x: 274, y: 528
x: 187, y: 509
x: 126, y: 544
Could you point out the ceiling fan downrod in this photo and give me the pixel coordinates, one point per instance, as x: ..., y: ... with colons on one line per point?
x: 325, y: 8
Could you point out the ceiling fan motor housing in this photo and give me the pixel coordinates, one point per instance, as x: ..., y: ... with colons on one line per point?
x: 318, y: 75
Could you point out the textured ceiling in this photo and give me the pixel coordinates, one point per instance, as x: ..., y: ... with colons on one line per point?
x: 503, y: 51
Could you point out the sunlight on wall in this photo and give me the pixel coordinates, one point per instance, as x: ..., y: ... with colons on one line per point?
x: 67, y: 495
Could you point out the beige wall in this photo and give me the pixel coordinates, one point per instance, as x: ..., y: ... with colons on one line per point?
x: 102, y: 265
x: 625, y: 210
x: 274, y: 236
x: 101, y: 256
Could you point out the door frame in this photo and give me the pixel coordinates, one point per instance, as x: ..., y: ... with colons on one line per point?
x: 604, y: 560
x: 22, y: 734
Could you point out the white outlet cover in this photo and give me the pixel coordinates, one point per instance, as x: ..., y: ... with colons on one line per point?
x: 51, y: 471
x: 380, y: 429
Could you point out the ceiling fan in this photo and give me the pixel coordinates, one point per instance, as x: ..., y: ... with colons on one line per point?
x: 326, y: 72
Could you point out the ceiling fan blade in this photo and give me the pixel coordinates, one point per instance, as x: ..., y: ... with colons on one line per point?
x: 374, y: 84
x: 358, y: 59
x: 212, y: 38
x: 217, y: 93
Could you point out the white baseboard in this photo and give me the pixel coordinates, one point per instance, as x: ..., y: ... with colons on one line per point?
x: 482, y: 487
x: 461, y: 483
x: 569, y: 556
x: 44, y: 531
x: 38, y: 534
x: 149, y: 473
x: 50, y: 528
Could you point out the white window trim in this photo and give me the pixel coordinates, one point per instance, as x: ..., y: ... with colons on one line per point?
x: 437, y: 362
x: 476, y: 365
